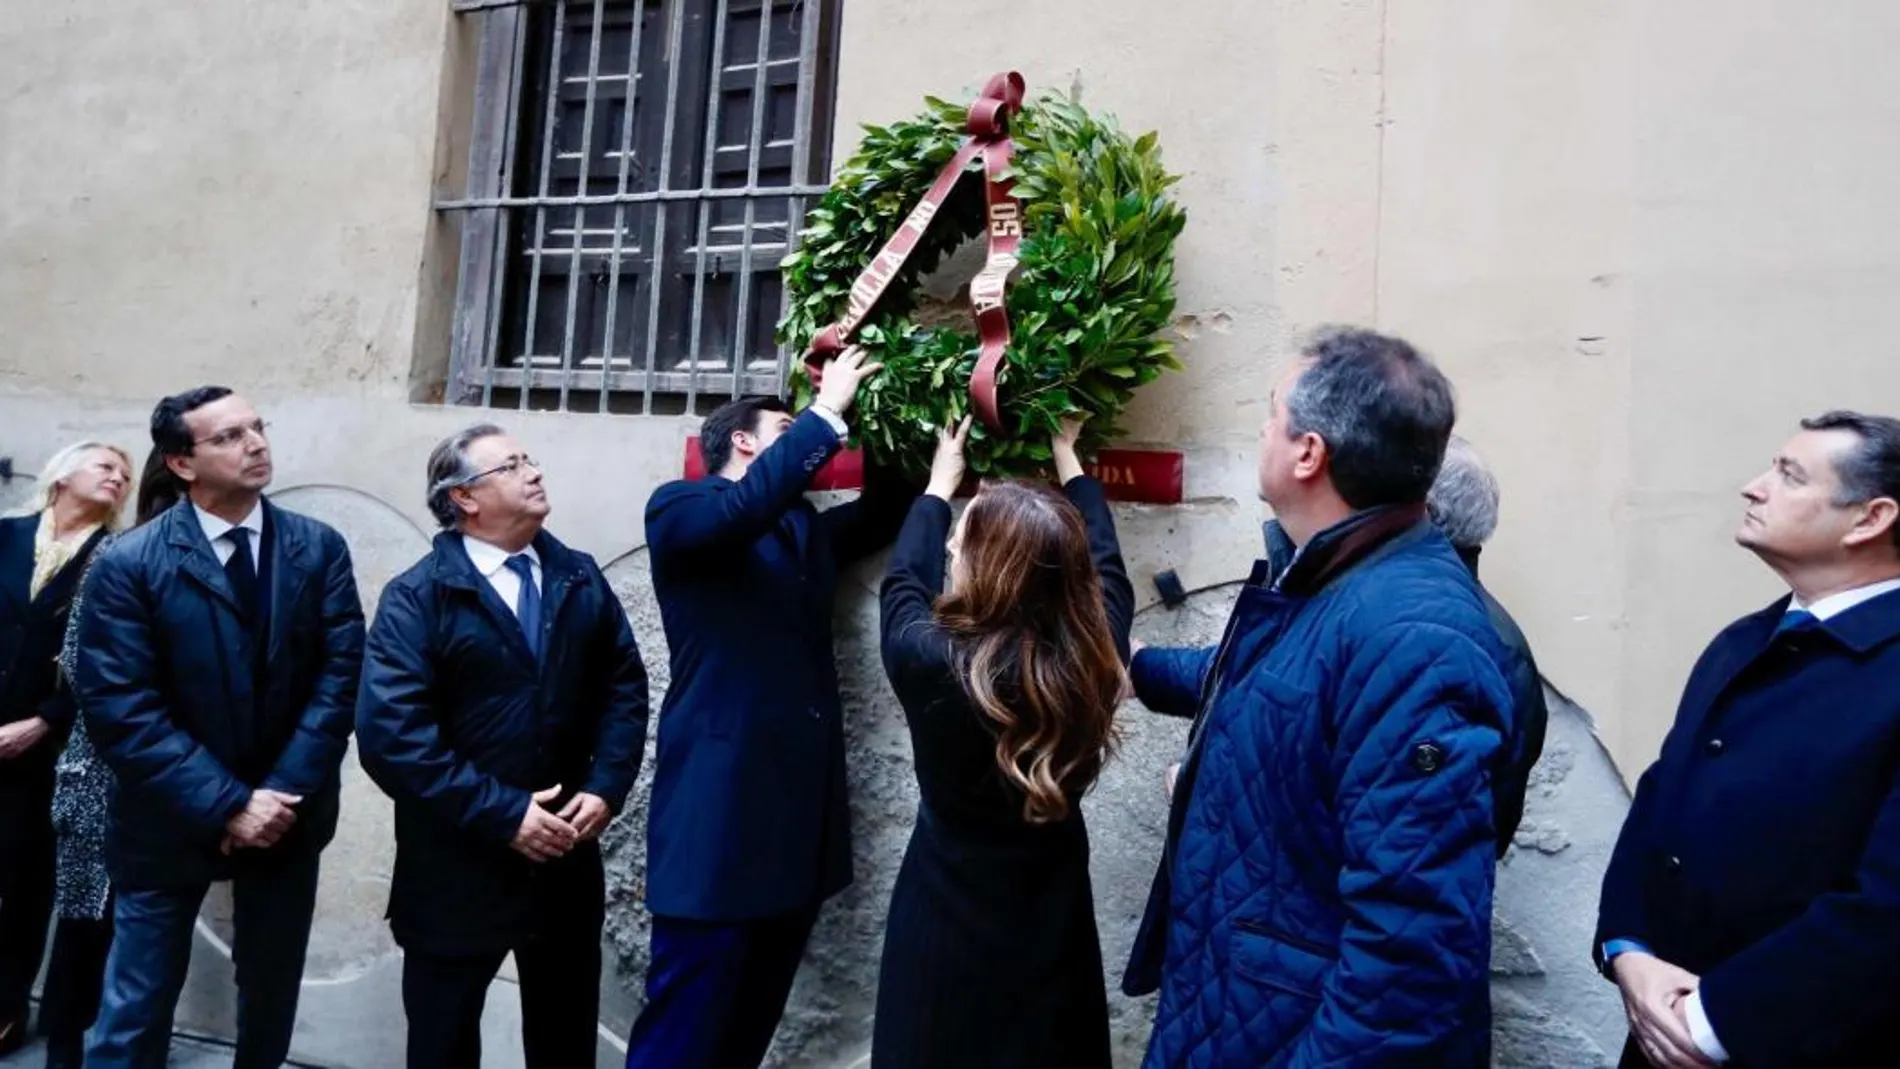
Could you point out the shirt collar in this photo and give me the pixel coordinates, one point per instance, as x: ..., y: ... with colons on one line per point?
x: 1836, y: 604
x: 490, y: 558
x: 215, y: 527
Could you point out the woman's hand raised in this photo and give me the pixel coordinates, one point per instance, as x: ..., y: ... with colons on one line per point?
x: 946, y: 468
x: 1062, y: 445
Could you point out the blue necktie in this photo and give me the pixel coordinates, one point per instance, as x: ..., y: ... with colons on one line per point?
x: 528, y: 602
x: 1795, y: 620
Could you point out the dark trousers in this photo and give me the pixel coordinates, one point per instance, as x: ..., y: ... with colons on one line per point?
x: 151, y: 948
x: 75, y: 977
x: 716, y: 991
x: 560, y: 1003
x: 26, y: 907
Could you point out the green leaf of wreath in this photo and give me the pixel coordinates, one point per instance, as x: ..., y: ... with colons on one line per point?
x: 1094, y: 289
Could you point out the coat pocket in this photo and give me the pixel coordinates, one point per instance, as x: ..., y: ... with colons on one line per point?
x: 1277, y: 960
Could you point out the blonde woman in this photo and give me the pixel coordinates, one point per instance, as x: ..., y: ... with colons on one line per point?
x: 43, y: 551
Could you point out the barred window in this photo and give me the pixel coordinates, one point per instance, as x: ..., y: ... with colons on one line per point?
x: 637, y: 170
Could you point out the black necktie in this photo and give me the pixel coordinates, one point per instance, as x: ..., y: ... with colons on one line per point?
x: 241, y: 569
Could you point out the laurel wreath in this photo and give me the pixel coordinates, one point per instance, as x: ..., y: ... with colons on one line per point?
x: 1094, y: 288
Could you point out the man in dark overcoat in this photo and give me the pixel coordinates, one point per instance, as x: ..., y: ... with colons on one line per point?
x: 504, y: 709
x: 1751, y: 910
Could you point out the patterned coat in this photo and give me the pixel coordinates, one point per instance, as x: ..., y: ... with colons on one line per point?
x: 1325, y: 898
x: 82, y: 795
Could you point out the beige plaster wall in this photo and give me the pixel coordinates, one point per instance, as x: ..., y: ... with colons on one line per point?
x: 1645, y: 239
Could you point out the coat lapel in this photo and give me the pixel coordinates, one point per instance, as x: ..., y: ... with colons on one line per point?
x: 16, y: 558
x: 455, y: 570
x: 293, y: 562
x: 196, y: 558
x: 559, y: 577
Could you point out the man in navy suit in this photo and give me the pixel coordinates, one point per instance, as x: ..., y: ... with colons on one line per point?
x: 219, y: 649
x: 1751, y: 911
x: 748, y: 831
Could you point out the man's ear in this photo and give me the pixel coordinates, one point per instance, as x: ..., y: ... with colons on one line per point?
x: 1310, y: 457
x: 181, y: 467
x: 1876, y: 521
x: 463, y: 500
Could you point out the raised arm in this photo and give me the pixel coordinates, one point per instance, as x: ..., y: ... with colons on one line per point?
x: 916, y: 579
x: 685, y: 519
x: 1088, y: 496
x: 859, y: 528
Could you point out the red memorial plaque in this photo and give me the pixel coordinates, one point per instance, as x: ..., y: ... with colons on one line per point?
x: 1149, y: 476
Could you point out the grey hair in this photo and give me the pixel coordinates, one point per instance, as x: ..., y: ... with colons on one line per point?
x: 1383, y: 409
x: 449, y: 468
x: 1464, y: 497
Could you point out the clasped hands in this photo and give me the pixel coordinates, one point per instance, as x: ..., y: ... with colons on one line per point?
x: 1654, y: 992
x: 545, y: 834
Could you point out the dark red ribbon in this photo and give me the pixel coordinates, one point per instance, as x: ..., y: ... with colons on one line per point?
x: 988, y: 126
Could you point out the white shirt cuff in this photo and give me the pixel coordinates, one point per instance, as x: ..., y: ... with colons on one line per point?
x: 837, y: 422
x: 1701, y: 1030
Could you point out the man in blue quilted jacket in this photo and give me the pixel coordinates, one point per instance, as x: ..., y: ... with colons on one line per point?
x: 1324, y: 898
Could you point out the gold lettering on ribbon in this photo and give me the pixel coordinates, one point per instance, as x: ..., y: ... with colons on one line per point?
x: 920, y: 216
x: 989, y: 285
x: 865, y: 290
x: 1005, y: 220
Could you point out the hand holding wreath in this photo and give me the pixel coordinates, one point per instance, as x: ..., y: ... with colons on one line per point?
x: 1092, y: 288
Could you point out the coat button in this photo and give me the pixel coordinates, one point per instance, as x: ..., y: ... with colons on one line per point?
x: 1674, y: 865
x: 1715, y: 747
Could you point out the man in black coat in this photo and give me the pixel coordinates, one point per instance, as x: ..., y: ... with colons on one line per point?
x: 1751, y: 910
x: 749, y: 829
x: 1464, y: 505
x: 504, y: 708
x: 219, y: 651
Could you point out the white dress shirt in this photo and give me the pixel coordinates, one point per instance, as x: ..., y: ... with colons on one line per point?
x: 492, y: 561
x: 837, y: 422
x: 215, y: 529
x: 1833, y: 605
x: 1836, y: 604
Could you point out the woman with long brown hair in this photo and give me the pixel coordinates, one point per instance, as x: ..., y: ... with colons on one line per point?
x: 1009, y: 680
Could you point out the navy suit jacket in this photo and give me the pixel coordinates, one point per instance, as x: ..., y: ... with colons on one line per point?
x: 1762, y: 851
x: 165, y: 678
x: 749, y: 816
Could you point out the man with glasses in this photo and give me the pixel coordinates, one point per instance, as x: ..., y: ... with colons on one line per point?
x: 504, y: 708
x: 1751, y: 910
x: 219, y: 650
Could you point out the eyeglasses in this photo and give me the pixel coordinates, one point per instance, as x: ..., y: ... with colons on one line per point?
x: 511, y: 466
x: 231, y: 436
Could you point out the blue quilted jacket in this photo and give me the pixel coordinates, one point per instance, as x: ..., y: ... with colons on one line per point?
x: 1325, y: 897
